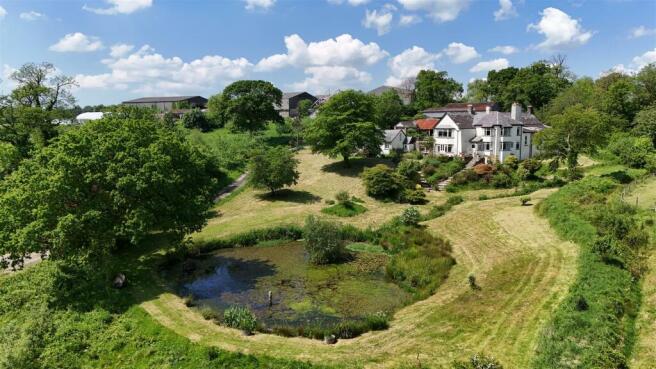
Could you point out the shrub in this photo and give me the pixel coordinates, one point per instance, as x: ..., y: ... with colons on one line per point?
x: 478, y: 361
x: 382, y: 182
x: 464, y: 177
x: 323, y: 241
x: 631, y: 150
x: 342, y: 197
x: 501, y: 180
x: 455, y: 200
x: 410, y: 217
x: 414, y: 197
x: 511, y: 162
x: 197, y: 119
x: 482, y: 169
x: 240, y: 318
x: 483, y: 197
x: 329, y: 202
x: 347, y: 209
x: 409, y: 169
x: 210, y: 314
x: 524, y: 200
x: 471, y: 279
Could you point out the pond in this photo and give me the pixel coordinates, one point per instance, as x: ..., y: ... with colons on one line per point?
x: 302, y: 293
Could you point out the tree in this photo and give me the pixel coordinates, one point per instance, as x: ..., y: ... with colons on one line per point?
x: 110, y: 181
x: 434, y: 88
x: 344, y: 126
x: 274, y: 168
x: 580, y: 92
x: 382, y: 182
x: 478, y: 91
x: 217, y: 110
x: 323, y: 241
x: 9, y: 158
x: 39, y: 88
x: 388, y: 109
x: 646, y: 81
x: 644, y: 123
x: 618, y: 95
x: 304, y: 108
x: 197, y: 119
x: 249, y: 105
x: 578, y: 129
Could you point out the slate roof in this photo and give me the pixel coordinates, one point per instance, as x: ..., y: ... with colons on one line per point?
x: 503, y: 119
x: 406, y: 124
x: 390, y: 134
x: 163, y: 99
x: 462, y: 120
x: 462, y: 107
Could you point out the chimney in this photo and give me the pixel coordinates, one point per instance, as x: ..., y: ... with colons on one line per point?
x: 515, y: 111
x: 529, y: 109
x: 487, y: 109
x: 470, y: 108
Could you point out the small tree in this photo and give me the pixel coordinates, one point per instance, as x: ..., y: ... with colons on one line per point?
x: 274, y: 169
x: 382, y: 182
x: 323, y: 241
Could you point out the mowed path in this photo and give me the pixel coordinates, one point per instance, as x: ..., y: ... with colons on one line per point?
x: 521, y: 265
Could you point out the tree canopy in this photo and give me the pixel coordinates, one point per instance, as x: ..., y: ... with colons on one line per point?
x: 274, y: 168
x: 344, y: 126
x: 388, y: 109
x: 112, y: 180
x: 249, y: 105
x: 434, y: 88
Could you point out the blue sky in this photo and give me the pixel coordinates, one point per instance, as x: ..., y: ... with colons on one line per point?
x: 121, y: 49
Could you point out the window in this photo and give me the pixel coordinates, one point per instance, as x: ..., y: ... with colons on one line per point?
x: 487, y: 146
x: 525, y: 140
x: 488, y: 131
x: 473, y: 146
x: 444, y: 132
x: 516, y: 145
x: 444, y: 148
x: 506, y: 146
x: 517, y: 131
x: 386, y: 145
x: 507, y: 131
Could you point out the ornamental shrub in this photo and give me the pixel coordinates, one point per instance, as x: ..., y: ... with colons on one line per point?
x: 381, y: 182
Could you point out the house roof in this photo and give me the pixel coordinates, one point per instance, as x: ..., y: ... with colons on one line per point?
x: 288, y: 95
x: 163, y: 99
x: 426, y: 124
x: 462, y: 107
x: 390, y: 134
x: 503, y: 119
x: 406, y: 124
x: 462, y: 120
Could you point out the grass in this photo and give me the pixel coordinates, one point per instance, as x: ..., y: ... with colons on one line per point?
x: 643, y: 193
x: 365, y: 247
x: 522, y: 267
x: 345, y: 210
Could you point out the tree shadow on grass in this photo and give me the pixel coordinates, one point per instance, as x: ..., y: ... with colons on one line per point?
x: 355, y: 167
x: 287, y: 195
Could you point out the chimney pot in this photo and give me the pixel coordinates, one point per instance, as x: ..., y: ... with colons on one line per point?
x: 529, y: 109
x: 470, y: 108
x: 487, y: 109
x: 515, y: 111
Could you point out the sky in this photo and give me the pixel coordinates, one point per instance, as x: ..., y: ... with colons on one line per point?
x: 123, y: 49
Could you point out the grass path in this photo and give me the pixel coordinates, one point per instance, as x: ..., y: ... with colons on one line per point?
x: 521, y: 265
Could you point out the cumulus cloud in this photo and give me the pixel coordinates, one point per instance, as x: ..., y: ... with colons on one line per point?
x: 3, y: 12
x: 148, y: 72
x: 77, y: 42
x: 31, y: 16
x: 409, y: 19
x: 119, y: 50
x: 560, y: 30
x: 120, y: 7
x: 322, y: 79
x: 644, y: 59
x: 5, y: 77
x: 642, y: 31
x: 438, y: 10
x: 505, y: 50
x: 486, y: 66
x: 460, y: 53
x: 342, y: 50
x: 379, y: 20
x: 259, y: 4
x: 408, y: 63
x: 506, y: 10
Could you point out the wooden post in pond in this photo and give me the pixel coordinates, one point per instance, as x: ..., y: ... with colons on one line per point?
x: 270, y: 298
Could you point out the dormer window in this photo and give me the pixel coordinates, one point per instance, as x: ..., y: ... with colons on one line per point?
x: 488, y: 131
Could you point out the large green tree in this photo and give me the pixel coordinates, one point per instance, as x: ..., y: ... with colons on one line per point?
x: 434, y: 88
x: 478, y: 91
x: 344, y: 126
x: 644, y: 123
x: 249, y: 105
x: 388, y: 109
x: 576, y: 130
x: 274, y: 168
x: 109, y: 181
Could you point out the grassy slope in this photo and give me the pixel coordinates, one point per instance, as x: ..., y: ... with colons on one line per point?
x: 522, y: 266
x: 645, y: 348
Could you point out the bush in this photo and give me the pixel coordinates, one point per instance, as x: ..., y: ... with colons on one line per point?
x: 342, y: 197
x: 323, y: 241
x: 239, y: 317
x: 483, y: 197
x: 329, y: 202
x: 210, y: 314
x: 382, y: 182
x: 346, y: 209
x: 511, y: 162
x: 414, y: 197
x: 410, y: 217
x: 249, y: 238
x: 409, y: 169
x: 197, y: 119
x: 631, y: 150
x: 478, y: 361
x: 501, y: 180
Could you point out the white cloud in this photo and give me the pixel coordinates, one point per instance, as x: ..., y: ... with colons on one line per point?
x: 620, y: 68
x: 350, y: 2
x: 489, y: 65
x: 31, y: 16
x: 148, y: 72
x: 3, y: 12
x: 119, y: 50
x: 438, y: 10
x: 6, y: 82
x: 644, y: 59
x: 381, y: 21
x: 120, y: 7
x: 322, y: 79
x: 409, y: 19
x: 259, y: 4
x: 642, y: 31
x: 408, y: 63
x: 77, y: 42
x: 460, y: 53
x: 505, y: 50
x: 342, y: 50
x: 506, y: 10
x: 560, y: 30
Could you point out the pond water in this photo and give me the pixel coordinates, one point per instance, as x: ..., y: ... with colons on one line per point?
x: 302, y: 293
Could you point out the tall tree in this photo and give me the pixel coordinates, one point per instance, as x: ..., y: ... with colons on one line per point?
x: 644, y: 123
x: 388, y: 109
x: 344, y: 126
x: 478, y: 91
x: 646, y: 81
x: 576, y: 130
x: 109, y: 180
x: 434, y: 88
x: 251, y: 104
x: 274, y: 168
x: 217, y: 110
x: 39, y: 87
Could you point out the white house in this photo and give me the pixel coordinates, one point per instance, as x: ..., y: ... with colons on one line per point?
x: 395, y: 139
x: 489, y: 135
